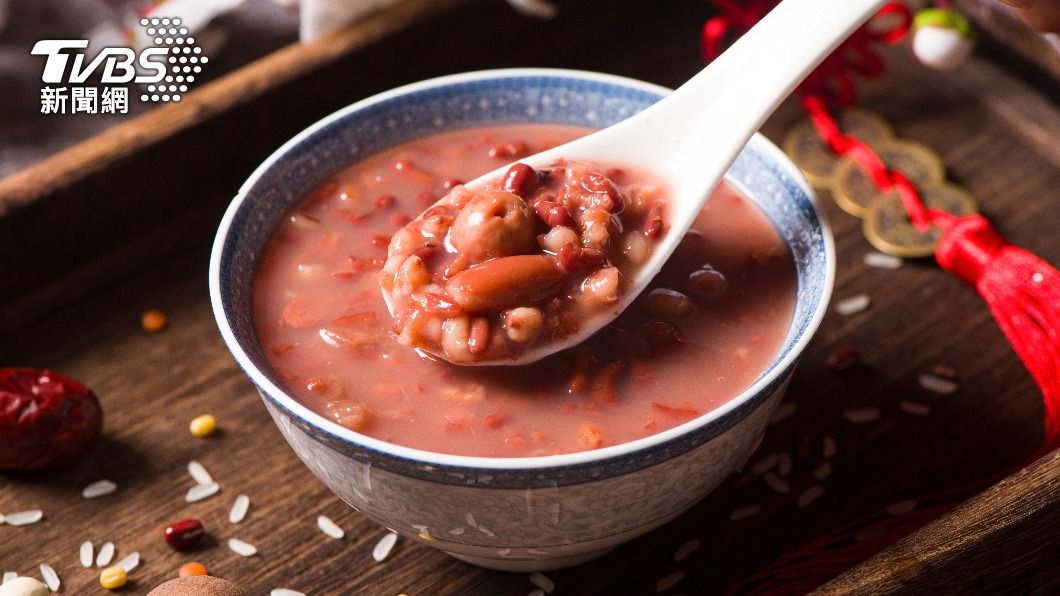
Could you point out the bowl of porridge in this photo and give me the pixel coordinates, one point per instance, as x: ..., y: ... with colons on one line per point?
x: 372, y: 299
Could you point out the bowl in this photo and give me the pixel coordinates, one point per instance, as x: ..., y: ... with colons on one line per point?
x: 515, y: 514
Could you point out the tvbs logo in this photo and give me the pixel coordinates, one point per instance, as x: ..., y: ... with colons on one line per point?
x: 119, y: 64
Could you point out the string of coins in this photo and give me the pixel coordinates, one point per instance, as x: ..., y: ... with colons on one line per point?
x: 877, y: 203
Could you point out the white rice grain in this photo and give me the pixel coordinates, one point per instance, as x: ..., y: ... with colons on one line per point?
x: 51, y: 578
x: 914, y: 408
x: 665, y: 583
x: 201, y: 491
x: 774, y: 482
x: 241, y: 548
x: 828, y: 446
x: 537, y: 592
x: 330, y: 528
x: 99, y: 488
x: 487, y: 531
x: 852, y: 305
x: 1, y: 519
x: 470, y: 519
x: 882, y: 261
x: 937, y: 384
x: 686, y: 549
x: 541, y: 9
x: 105, y: 554
x: 810, y: 495
x: 745, y: 512
x: 285, y: 592
x: 823, y: 471
x: 86, y: 553
x: 901, y: 507
x: 785, y: 463
x: 130, y: 562
x: 862, y: 415
x: 783, y: 412
x: 765, y: 464
x: 542, y: 581
x: 198, y: 473
x: 239, y: 509
x: 8, y: 576
x: 24, y: 518
x: 384, y: 546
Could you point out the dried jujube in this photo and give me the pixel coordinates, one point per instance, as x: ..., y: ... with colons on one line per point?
x: 47, y: 420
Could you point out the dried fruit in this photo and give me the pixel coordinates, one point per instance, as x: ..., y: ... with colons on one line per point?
x: 47, y: 420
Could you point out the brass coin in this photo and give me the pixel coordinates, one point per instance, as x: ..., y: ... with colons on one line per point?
x: 853, y: 189
x: 887, y: 227
x: 812, y: 155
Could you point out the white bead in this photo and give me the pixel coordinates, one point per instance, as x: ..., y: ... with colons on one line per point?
x: 941, y: 47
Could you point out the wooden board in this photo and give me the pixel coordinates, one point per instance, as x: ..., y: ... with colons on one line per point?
x: 996, y: 136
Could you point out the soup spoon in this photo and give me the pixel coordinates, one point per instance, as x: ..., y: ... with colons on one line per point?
x: 692, y: 136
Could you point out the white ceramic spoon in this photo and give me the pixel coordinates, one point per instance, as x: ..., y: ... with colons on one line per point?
x: 692, y: 136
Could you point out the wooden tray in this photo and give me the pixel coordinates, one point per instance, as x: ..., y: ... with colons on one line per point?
x: 121, y: 223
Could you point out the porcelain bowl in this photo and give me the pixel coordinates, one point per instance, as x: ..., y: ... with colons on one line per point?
x: 516, y: 514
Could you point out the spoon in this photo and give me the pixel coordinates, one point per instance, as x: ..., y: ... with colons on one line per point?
x: 692, y: 136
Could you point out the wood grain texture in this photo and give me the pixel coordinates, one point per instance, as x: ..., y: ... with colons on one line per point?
x: 152, y: 385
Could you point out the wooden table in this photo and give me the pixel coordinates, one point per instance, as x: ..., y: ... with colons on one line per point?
x: 997, y: 135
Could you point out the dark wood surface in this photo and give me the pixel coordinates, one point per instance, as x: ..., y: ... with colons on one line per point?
x: 996, y: 135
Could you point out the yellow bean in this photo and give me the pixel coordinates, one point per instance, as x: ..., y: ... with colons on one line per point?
x: 203, y: 426
x: 113, y: 578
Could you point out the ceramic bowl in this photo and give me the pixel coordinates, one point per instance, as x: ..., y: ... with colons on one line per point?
x: 517, y: 514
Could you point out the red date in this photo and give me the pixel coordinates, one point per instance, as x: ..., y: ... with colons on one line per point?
x: 47, y: 420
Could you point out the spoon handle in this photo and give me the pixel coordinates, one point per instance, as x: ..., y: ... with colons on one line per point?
x: 708, y: 120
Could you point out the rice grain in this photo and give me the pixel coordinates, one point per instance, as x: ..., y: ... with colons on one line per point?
x: 686, y: 549
x: 384, y: 546
x: 542, y: 581
x: 8, y: 576
x: 774, y: 482
x: 937, y: 384
x: 241, y: 548
x: 862, y: 415
x: 765, y: 464
x: 330, y: 528
x: 86, y: 553
x: 669, y: 581
x: 823, y: 471
x: 24, y: 518
x: 285, y: 592
x: 828, y: 446
x: 745, y: 512
x: 882, y: 261
x: 810, y: 495
x: 198, y: 473
x: 51, y: 578
x: 99, y: 488
x: 852, y: 305
x: 201, y: 491
x: 105, y: 554
x: 914, y: 408
x: 239, y: 509
x: 130, y: 562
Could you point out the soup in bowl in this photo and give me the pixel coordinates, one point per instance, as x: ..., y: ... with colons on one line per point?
x: 516, y: 468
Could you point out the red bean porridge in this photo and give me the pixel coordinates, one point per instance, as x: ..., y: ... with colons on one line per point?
x: 711, y: 322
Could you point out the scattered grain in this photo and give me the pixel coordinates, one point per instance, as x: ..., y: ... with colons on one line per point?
x: 828, y: 446
x: 153, y: 320
x: 86, y: 553
x: 542, y: 581
x: 665, y: 583
x: 686, y: 549
x: 852, y: 305
x: 285, y: 592
x: 192, y: 568
x: 914, y: 408
x: 783, y: 412
x: 239, y: 509
x: 810, y: 495
x: 882, y: 261
x: 130, y: 562
x: 24, y: 518
x: 384, y: 546
x: 113, y: 578
x: 745, y: 512
x: 823, y: 471
x: 201, y: 491
x: 203, y: 426
x: 774, y: 482
x: 105, y: 554
x: 99, y: 488
x: 901, y: 507
x: 784, y: 463
x: 765, y: 464
x: 50, y: 577
x: 241, y: 548
x: 862, y: 415
x: 329, y: 527
x: 199, y: 473
x: 8, y: 576
x: 937, y: 384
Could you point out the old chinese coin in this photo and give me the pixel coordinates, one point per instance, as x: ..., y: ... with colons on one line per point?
x: 816, y: 159
x: 887, y: 227
x: 853, y: 188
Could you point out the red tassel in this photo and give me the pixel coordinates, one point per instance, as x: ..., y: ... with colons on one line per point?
x: 1023, y: 293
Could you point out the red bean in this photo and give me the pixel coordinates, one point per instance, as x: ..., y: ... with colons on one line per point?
x: 385, y: 201
x: 706, y: 283
x: 661, y: 333
x: 183, y: 534
x: 508, y: 150
x: 579, y: 260
x: 653, y: 225
x: 478, y: 340
x: 668, y: 304
x: 842, y: 359
x: 519, y: 179
x: 604, y: 194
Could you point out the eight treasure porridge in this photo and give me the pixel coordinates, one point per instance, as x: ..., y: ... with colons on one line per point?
x: 710, y: 323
